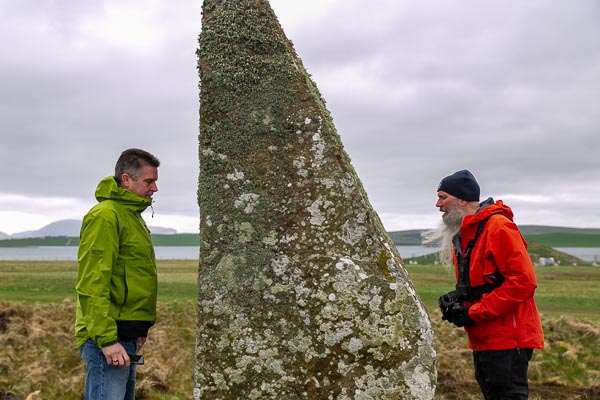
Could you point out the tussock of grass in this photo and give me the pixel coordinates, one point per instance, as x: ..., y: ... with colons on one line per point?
x: 566, y: 369
x: 38, y: 354
x: 39, y: 360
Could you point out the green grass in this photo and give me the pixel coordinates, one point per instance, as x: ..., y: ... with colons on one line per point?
x: 181, y: 239
x: 54, y: 281
x: 561, y: 291
x: 46, y: 241
x: 177, y: 280
x: 37, y: 282
x: 38, y: 351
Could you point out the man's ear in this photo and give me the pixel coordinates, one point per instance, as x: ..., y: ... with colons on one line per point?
x: 125, y: 181
x: 463, y: 204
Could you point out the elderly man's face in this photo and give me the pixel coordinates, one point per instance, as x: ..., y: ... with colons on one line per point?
x: 450, y: 206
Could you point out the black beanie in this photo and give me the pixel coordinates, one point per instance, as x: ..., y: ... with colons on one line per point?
x: 461, y: 184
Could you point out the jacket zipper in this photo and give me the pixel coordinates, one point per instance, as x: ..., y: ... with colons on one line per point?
x: 514, y: 319
x: 126, y: 294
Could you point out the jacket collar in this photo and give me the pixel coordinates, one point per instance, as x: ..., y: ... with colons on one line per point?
x: 471, y: 222
x: 486, y: 208
x: 108, y: 189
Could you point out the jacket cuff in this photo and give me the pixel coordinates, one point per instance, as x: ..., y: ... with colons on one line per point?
x: 108, y: 343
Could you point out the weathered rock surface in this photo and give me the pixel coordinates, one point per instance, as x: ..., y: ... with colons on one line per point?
x: 302, y: 295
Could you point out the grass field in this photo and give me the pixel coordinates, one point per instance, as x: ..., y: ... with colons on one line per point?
x: 38, y: 358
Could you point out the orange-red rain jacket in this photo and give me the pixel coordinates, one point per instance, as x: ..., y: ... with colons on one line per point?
x: 507, y: 317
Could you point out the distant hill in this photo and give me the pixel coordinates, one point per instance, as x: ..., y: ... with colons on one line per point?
x: 178, y: 239
x: 554, y: 236
x: 546, y: 230
x: 407, y: 238
x: 66, y: 233
x: 65, y: 227
x: 70, y: 228
x: 536, y: 251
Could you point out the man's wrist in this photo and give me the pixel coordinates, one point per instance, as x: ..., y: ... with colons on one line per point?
x: 108, y: 343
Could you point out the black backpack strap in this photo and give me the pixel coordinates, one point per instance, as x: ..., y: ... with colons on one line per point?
x: 475, y: 292
x: 463, y: 285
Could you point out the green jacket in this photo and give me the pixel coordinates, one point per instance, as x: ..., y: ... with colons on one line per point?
x: 117, y: 278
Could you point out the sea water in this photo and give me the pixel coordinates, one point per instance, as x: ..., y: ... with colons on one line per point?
x: 69, y: 253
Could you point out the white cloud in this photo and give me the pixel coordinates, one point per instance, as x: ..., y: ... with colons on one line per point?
x: 23, y: 213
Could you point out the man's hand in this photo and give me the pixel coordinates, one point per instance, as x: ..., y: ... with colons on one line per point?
x: 446, y: 303
x: 116, y: 355
x: 453, y: 311
x: 460, y: 316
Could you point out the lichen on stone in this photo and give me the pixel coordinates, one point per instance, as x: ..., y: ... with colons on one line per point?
x: 301, y: 292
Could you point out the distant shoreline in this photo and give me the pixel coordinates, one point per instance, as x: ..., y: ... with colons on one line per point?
x: 549, y: 235
x: 69, y: 253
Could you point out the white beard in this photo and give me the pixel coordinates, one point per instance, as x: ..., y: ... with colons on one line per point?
x: 444, y: 233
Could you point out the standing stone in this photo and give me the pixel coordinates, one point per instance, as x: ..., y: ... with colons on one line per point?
x: 302, y: 294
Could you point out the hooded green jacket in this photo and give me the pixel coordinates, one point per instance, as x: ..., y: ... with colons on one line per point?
x: 117, y: 278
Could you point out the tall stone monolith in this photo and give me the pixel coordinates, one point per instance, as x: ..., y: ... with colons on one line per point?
x: 302, y: 295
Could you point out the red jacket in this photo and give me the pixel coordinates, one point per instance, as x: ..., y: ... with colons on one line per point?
x: 507, y: 317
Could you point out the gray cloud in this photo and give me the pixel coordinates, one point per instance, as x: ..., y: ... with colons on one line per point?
x: 506, y: 90
x: 417, y: 90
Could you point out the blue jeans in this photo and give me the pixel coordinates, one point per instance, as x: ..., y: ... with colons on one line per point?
x: 104, y: 381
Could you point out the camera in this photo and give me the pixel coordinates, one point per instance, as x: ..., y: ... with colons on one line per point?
x: 449, y: 303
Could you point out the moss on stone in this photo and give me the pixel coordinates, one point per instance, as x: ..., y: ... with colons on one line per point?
x: 301, y: 292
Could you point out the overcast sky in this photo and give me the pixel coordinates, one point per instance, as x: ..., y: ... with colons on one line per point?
x: 508, y: 89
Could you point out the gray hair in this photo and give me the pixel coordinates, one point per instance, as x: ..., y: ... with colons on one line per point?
x: 132, y: 161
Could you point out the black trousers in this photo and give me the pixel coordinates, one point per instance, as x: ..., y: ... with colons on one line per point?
x: 502, y: 374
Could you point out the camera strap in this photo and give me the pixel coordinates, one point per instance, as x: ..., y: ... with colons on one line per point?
x: 463, y: 286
